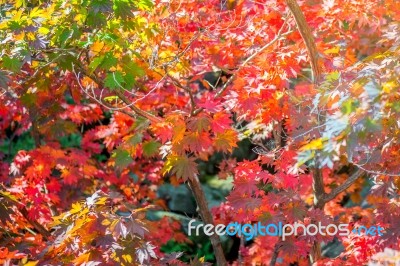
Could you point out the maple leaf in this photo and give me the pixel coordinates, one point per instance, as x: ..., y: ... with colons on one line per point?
x: 199, y: 124
x: 210, y: 104
x: 245, y: 184
x: 122, y: 158
x: 120, y: 229
x: 196, y: 142
x: 220, y: 122
x: 145, y: 252
x: 163, y: 131
x: 183, y: 166
x: 135, y: 227
x: 70, y: 176
x: 150, y: 148
x: 225, y: 141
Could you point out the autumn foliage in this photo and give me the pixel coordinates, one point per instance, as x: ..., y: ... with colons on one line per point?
x: 106, y: 104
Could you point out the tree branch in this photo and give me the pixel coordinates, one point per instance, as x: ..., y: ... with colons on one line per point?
x: 38, y: 227
x: 336, y: 191
x: 307, y: 36
x: 275, y: 254
x: 205, y: 213
x: 22, y: 209
x: 186, y: 88
x: 121, y: 96
x: 318, y: 186
x: 137, y: 110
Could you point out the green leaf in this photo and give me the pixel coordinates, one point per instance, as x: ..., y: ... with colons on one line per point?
x: 144, y: 4
x: 372, y: 125
x: 333, y: 76
x: 12, y: 64
x: 98, y: 20
x: 150, y: 148
x: 114, y: 80
x: 109, y: 61
x: 29, y: 99
x: 108, y: 37
x: 64, y: 36
x: 100, y: 6
x: 132, y: 68
x: 349, y: 106
x: 122, y: 158
x: 95, y: 63
x: 65, y: 61
x: 135, y: 139
x: 129, y: 80
x: 141, y: 123
x: 122, y: 9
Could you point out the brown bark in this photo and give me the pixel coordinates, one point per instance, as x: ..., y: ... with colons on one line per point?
x: 275, y: 254
x: 336, y: 191
x: 307, y: 36
x: 318, y: 185
x: 205, y: 214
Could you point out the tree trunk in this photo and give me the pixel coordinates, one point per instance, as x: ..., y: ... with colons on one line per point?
x: 205, y: 214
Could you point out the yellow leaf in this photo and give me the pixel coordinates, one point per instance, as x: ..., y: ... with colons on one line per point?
x: 101, y: 201
x: 80, y: 18
x: 20, y: 3
x: 76, y: 207
x: 82, y: 258
x: 127, y: 258
x: 387, y: 87
x: 314, y: 145
x: 106, y: 222
x: 43, y: 30
x: 226, y: 141
x: 36, y: 12
x: 334, y: 50
x: 97, y: 47
x: 4, y: 25
x: 171, y: 160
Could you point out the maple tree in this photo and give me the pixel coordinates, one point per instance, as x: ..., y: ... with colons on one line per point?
x: 103, y: 102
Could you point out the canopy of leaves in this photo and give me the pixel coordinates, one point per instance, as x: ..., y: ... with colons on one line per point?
x: 104, y: 102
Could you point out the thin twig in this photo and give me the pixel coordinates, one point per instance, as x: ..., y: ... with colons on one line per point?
x: 120, y: 95
x: 186, y: 88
